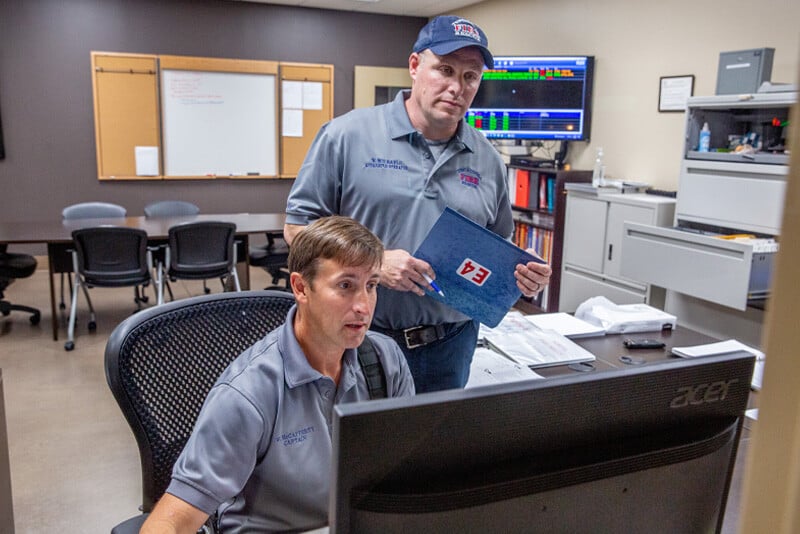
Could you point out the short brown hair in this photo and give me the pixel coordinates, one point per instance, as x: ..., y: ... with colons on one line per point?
x: 338, y: 238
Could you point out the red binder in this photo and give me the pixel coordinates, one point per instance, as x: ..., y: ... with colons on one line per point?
x: 523, y: 188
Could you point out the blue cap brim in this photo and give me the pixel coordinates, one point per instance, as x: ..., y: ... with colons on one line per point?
x: 448, y: 48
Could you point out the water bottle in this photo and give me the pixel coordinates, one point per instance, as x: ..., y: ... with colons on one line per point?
x: 598, y: 174
x: 705, y: 139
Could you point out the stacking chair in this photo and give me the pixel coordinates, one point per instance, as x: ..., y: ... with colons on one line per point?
x: 273, y: 258
x: 170, y: 208
x: 199, y: 251
x: 87, y: 210
x: 161, y: 362
x: 12, y: 267
x: 107, y: 256
x: 93, y: 210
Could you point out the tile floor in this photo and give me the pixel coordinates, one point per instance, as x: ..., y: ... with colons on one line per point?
x: 74, y: 462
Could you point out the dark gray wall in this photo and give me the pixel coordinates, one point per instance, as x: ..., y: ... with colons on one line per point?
x: 46, y: 88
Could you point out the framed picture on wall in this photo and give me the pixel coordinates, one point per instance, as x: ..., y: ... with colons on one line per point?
x: 673, y: 91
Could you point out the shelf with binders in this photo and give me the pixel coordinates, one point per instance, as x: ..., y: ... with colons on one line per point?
x: 533, y: 189
x: 539, y: 201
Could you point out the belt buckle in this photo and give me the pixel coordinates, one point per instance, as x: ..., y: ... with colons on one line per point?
x: 410, y: 344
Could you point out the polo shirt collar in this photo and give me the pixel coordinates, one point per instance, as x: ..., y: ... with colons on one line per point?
x: 297, y: 370
x: 399, y: 125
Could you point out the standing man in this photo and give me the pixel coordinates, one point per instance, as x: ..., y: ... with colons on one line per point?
x: 260, y: 453
x: 395, y: 168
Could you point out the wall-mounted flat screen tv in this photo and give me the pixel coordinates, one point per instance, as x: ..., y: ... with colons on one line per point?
x: 535, y: 97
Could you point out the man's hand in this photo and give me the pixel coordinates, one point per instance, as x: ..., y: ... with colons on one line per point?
x: 403, y: 272
x: 532, y: 277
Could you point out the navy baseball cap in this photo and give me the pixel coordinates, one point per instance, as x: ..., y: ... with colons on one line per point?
x: 449, y: 33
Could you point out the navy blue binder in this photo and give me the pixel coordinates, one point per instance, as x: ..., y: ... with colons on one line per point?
x: 474, y: 267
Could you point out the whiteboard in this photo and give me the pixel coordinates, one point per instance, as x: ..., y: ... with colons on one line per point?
x: 218, y: 123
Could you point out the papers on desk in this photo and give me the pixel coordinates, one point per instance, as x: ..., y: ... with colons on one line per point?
x: 726, y: 347
x: 565, y: 324
x: 527, y: 344
x: 489, y: 367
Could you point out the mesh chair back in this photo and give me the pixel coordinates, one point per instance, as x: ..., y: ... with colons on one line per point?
x: 161, y: 363
x: 112, y: 256
x: 201, y: 250
x: 93, y: 210
x: 170, y: 208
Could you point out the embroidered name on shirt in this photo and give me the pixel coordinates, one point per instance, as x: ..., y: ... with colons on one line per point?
x: 292, y: 438
x: 469, y: 177
x: 381, y: 163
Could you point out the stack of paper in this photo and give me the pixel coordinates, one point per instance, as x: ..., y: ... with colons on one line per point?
x: 726, y: 347
x: 527, y: 344
x: 566, y: 325
x: 489, y: 367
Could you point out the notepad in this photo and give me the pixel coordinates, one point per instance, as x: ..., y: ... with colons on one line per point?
x: 726, y: 347
x: 566, y: 325
x: 489, y: 368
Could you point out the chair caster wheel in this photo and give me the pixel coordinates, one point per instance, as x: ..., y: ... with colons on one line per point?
x: 35, y: 318
x: 69, y: 345
x: 62, y: 306
x: 92, y: 326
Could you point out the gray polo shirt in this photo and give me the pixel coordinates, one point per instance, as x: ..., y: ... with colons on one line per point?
x: 372, y: 165
x: 261, y: 448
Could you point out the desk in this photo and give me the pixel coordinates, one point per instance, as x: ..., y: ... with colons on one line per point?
x: 57, y: 235
x: 608, y: 349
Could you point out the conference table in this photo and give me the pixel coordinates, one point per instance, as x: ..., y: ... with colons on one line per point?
x: 57, y: 235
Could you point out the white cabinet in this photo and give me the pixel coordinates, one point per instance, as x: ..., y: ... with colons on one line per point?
x: 593, y: 232
x: 714, y: 282
x: 721, y: 194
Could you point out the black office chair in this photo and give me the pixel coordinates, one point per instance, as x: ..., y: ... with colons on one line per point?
x: 83, y: 210
x: 107, y: 256
x: 161, y: 363
x: 273, y: 258
x: 170, y: 208
x: 12, y: 267
x: 199, y: 251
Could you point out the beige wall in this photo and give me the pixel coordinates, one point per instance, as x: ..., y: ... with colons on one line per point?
x: 635, y: 43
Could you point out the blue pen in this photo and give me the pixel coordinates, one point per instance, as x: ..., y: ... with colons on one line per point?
x: 433, y: 284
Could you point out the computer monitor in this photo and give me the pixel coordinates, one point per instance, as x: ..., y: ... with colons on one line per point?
x: 649, y: 448
x: 535, y: 97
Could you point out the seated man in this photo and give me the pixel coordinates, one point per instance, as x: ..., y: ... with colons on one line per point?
x: 259, y: 456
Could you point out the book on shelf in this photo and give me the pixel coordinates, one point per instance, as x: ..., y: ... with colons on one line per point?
x: 522, y: 192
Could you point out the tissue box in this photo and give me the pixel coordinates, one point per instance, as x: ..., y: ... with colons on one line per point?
x: 624, y: 318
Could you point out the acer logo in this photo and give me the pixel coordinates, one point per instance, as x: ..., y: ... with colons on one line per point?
x: 702, y: 393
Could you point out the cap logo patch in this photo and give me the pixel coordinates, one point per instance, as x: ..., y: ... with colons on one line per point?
x: 465, y: 28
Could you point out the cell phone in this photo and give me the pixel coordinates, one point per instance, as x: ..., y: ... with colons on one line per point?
x: 643, y: 343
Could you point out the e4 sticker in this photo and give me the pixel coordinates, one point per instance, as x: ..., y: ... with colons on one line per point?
x: 474, y: 272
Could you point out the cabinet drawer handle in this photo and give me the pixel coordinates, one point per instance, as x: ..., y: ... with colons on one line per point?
x: 610, y: 248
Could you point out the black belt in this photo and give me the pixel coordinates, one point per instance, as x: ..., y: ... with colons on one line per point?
x: 419, y: 336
